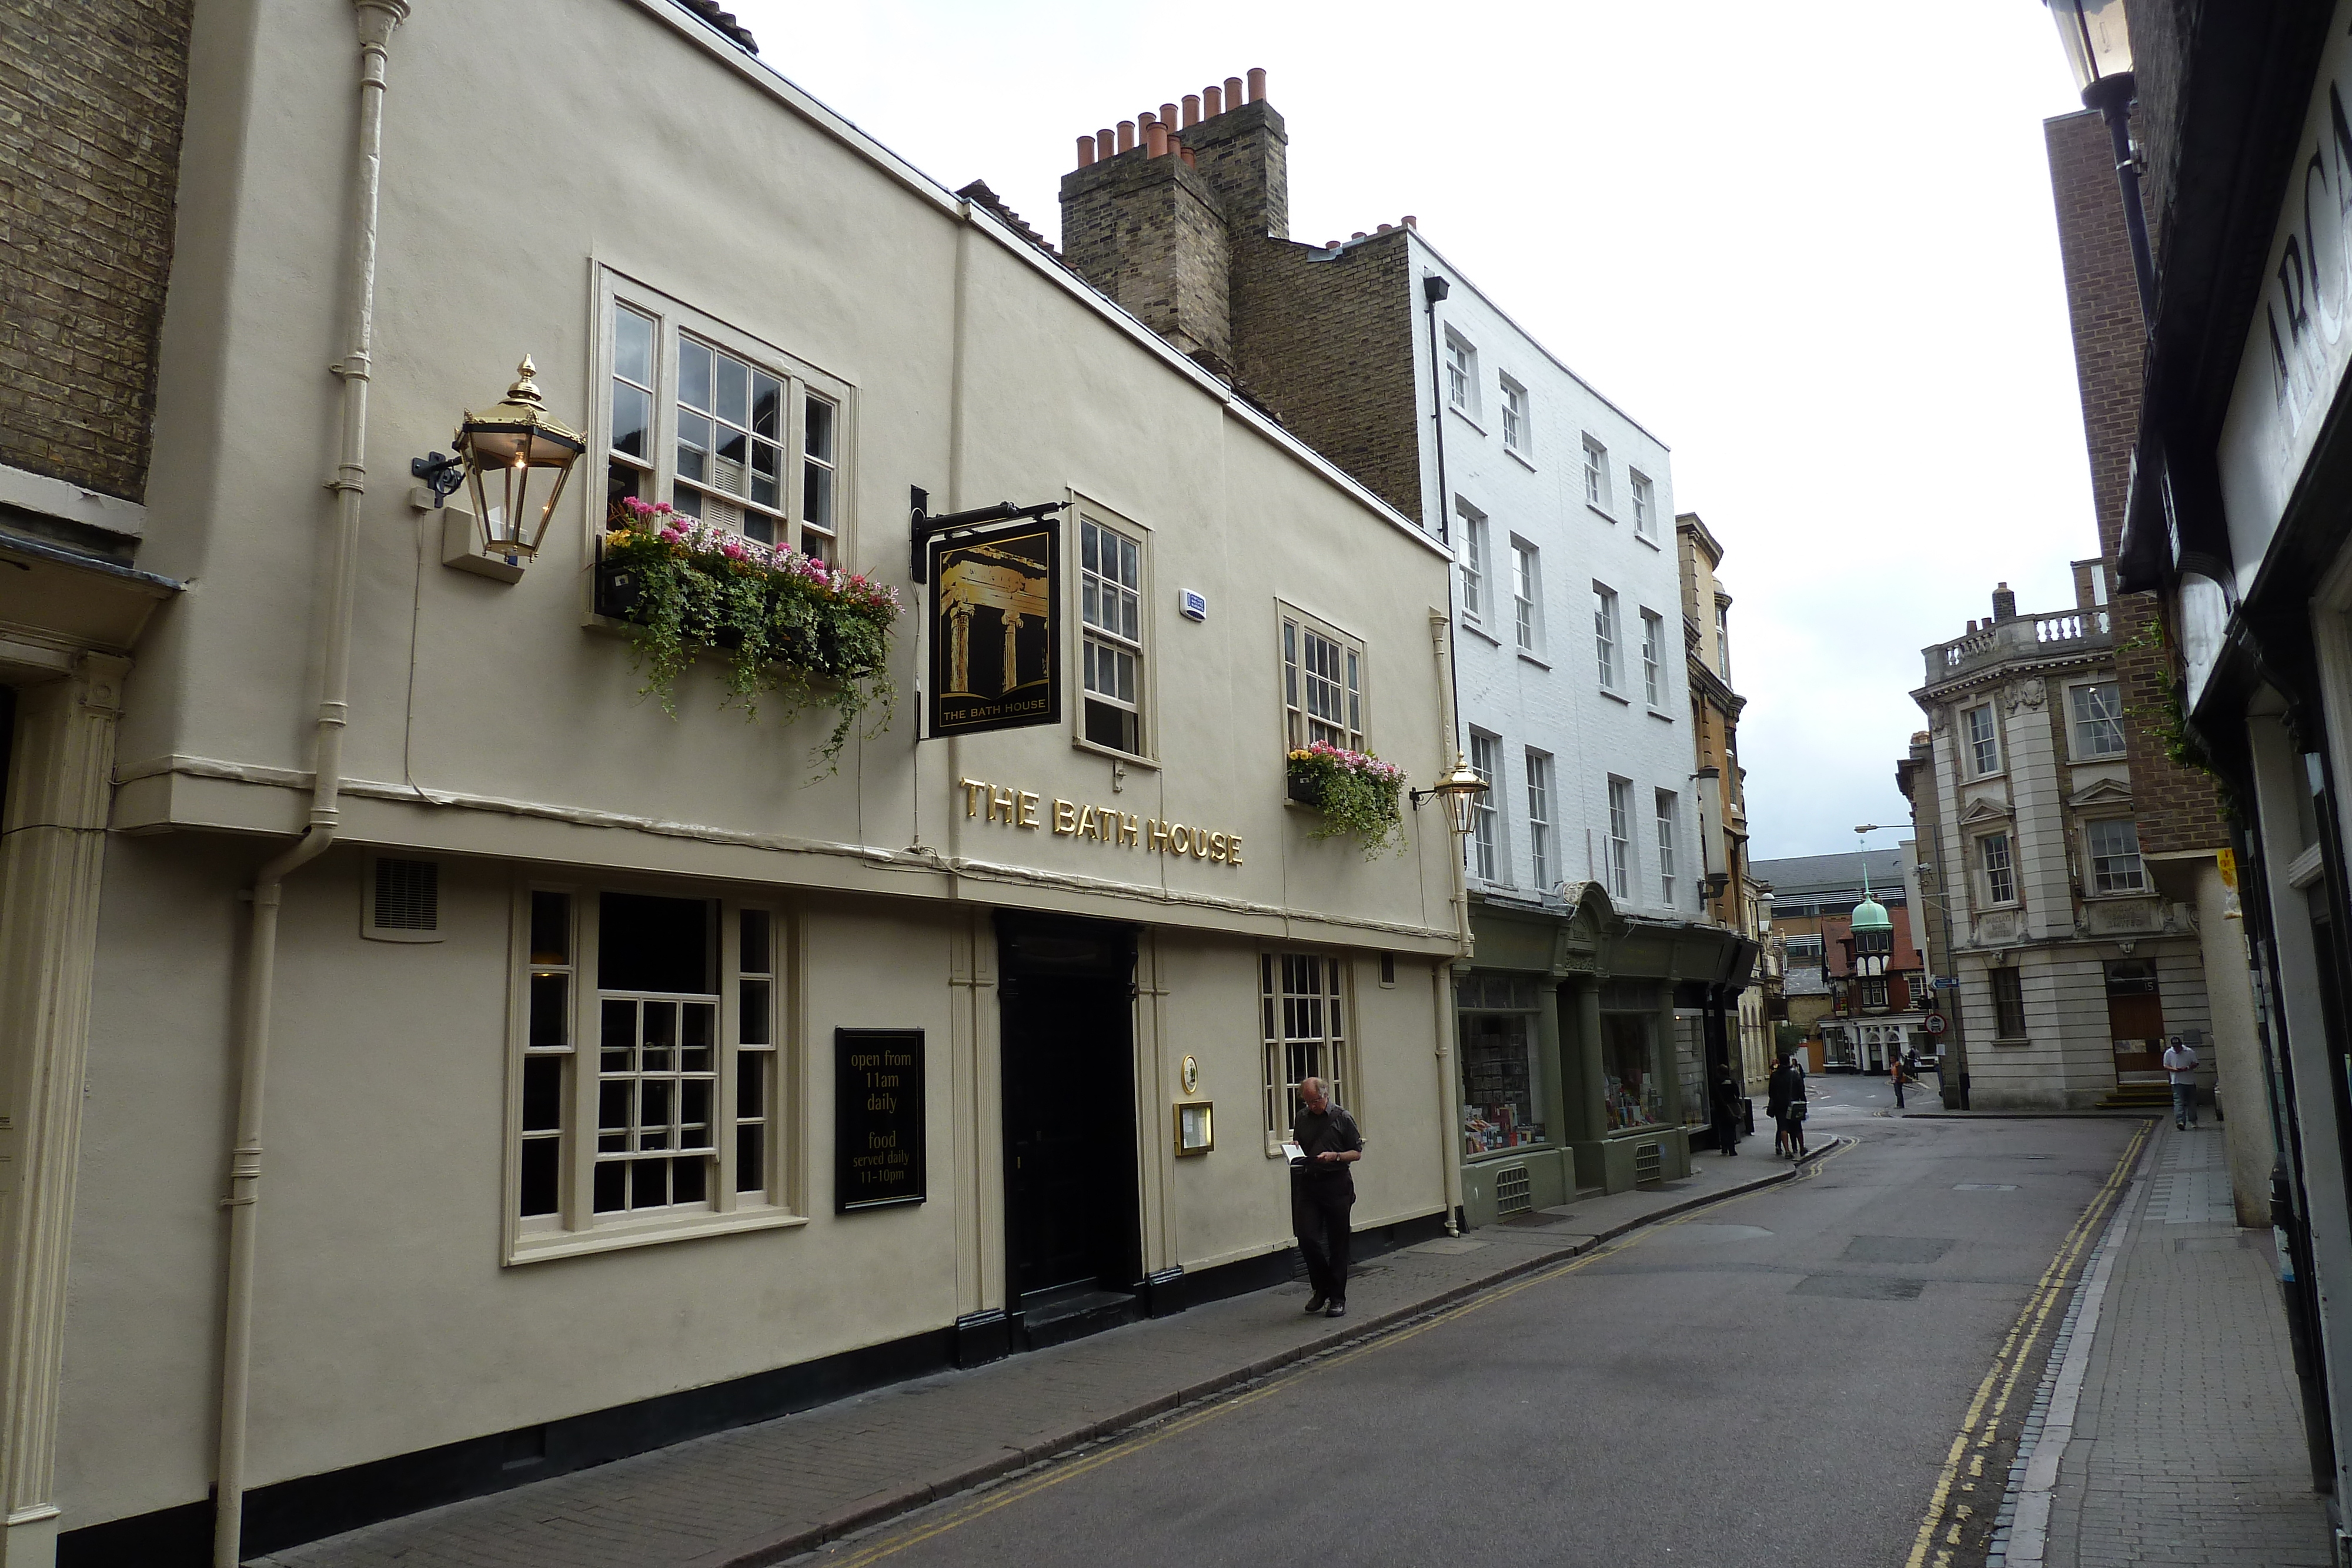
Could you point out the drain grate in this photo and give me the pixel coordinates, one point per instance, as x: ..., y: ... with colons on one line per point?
x: 1649, y: 1163
x: 1515, y: 1193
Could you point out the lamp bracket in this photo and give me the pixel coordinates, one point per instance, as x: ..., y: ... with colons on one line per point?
x: 442, y: 475
x: 924, y: 526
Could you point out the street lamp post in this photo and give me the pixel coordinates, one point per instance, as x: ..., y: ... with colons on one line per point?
x: 2098, y: 48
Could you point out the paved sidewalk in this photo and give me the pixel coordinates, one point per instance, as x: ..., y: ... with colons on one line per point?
x: 760, y: 1494
x: 2179, y: 1434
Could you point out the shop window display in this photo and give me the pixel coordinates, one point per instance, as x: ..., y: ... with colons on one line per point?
x: 1634, y: 1087
x: 1502, y: 1080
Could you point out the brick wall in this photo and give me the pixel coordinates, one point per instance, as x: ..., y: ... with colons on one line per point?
x: 91, y: 95
x: 2176, y: 808
x: 1150, y: 233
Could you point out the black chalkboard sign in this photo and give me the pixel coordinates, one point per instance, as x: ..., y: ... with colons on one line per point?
x: 878, y: 1120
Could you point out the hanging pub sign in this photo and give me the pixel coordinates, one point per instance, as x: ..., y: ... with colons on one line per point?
x: 995, y: 607
x: 878, y: 1118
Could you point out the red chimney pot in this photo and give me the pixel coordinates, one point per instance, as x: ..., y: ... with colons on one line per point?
x: 1085, y: 150
x: 1411, y: 221
x: 1234, y: 98
x: 1106, y: 146
x: 1155, y: 141
x: 1213, y: 101
x: 1191, y: 109
x: 1168, y: 116
x: 1258, y: 83
x: 1127, y: 136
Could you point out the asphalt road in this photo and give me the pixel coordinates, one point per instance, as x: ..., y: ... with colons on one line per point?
x: 1777, y: 1379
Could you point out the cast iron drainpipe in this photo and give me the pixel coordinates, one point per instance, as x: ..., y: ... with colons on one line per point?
x: 1434, y: 287
x: 377, y: 20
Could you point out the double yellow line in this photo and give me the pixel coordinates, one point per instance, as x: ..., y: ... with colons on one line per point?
x: 1017, y: 1491
x: 1981, y: 1425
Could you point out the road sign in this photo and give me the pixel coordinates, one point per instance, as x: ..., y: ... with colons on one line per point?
x: 1946, y: 983
x: 1935, y: 1023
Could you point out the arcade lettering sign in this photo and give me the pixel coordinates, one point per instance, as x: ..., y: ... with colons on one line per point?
x: 878, y: 1118
x: 995, y: 632
x: 1106, y: 825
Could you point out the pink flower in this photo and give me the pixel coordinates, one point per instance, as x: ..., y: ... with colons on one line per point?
x: 671, y: 536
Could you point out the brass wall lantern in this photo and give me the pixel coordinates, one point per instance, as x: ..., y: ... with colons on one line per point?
x: 499, y: 451
x: 1460, y: 791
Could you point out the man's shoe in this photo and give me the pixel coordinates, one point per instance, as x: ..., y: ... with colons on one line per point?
x: 2179, y: 1126
x: 1315, y: 1304
x: 1336, y: 1310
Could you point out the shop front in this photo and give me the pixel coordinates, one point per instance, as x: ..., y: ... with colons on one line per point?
x: 1572, y: 1067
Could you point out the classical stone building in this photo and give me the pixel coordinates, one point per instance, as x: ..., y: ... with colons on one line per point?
x: 1602, y: 987
x: 2072, y: 962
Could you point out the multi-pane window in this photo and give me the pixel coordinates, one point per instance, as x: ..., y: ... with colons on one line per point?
x: 1474, y: 561
x: 2000, y: 876
x: 1604, y: 634
x: 1874, y: 992
x: 681, y: 1023
x: 1723, y: 642
x: 1526, y: 596
x: 1653, y: 658
x: 1515, y: 433
x: 1485, y: 820
x: 1110, y: 603
x: 1322, y: 687
x: 1596, y: 474
x: 700, y: 418
x: 1461, y: 375
x: 2008, y: 1003
x: 1300, y: 1003
x: 1665, y: 809
x: 1539, y: 827
x: 1984, y: 741
x: 1621, y: 839
x: 2098, y: 719
x: 1646, y: 502
x: 2114, y: 856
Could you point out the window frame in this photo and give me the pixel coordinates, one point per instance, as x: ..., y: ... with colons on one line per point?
x: 1293, y: 625
x: 1146, y: 668
x: 672, y: 316
x: 1608, y: 635
x: 1977, y: 743
x: 1620, y: 838
x: 1474, y: 558
x: 1596, y: 474
x: 2096, y: 877
x: 1337, y: 1001
x: 1461, y: 375
x: 576, y: 1228
x: 1654, y: 660
x: 1527, y: 596
x: 2008, y: 1001
x: 2076, y: 722
x: 1642, y: 494
x: 1541, y: 781
x: 1667, y: 806
x: 1518, y: 430
x: 1489, y: 854
x: 1993, y: 875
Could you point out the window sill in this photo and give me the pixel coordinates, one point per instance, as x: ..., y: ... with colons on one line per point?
x: 2015, y: 1041
x: 1476, y: 630
x: 1488, y: 1157
x: 1646, y: 539
x: 620, y: 1236
x: 1080, y: 743
x: 1600, y: 511
x: 2096, y: 759
x: 1538, y: 659
x: 2121, y: 895
x: 1465, y: 416
x: 1659, y: 713
x: 1525, y: 461
x: 1613, y: 697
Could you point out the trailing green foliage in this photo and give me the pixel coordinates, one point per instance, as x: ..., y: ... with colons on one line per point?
x: 1356, y: 791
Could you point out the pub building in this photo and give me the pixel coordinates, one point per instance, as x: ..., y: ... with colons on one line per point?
x: 639, y: 1066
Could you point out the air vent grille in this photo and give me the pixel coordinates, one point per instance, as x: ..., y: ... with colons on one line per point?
x: 407, y: 896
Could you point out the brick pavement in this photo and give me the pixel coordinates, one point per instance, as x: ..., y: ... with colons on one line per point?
x: 2187, y: 1440
x: 760, y: 1493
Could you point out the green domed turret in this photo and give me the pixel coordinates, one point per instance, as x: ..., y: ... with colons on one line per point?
x: 1871, y: 915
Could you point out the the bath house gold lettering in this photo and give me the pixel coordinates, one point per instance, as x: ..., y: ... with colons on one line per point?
x: 1026, y: 809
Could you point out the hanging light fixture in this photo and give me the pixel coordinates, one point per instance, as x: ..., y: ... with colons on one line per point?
x: 1460, y: 791
x: 499, y: 451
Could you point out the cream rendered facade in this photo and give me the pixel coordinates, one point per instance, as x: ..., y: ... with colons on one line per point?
x: 2034, y: 808
x: 404, y: 1317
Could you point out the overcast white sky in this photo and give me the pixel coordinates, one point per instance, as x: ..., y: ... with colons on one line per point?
x: 1810, y: 244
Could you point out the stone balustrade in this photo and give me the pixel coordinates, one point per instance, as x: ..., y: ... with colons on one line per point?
x: 2023, y: 637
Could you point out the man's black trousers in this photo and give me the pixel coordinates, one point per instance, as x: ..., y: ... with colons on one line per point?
x: 1319, y: 1218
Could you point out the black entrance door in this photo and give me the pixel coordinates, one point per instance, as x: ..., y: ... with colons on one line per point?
x: 1068, y: 1010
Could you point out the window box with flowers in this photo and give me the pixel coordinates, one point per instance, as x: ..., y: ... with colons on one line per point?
x: 1355, y: 792
x: 787, y: 626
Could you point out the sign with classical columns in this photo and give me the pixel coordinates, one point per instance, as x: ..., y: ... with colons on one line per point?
x: 995, y: 631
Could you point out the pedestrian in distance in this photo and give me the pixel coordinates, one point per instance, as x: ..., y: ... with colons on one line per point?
x: 1776, y: 1105
x: 1322, y: 1191
x: 2181, y: 1065
x: 1792, y: 1093
x: 1895, y: 1071
x: 1727, y: 1107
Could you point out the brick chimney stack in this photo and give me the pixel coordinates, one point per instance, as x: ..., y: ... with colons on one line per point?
x: 2004, y: 603
x: 1156, y: 233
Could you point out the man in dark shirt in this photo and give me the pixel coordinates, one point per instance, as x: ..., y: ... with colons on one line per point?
x: 1322, y: 1190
